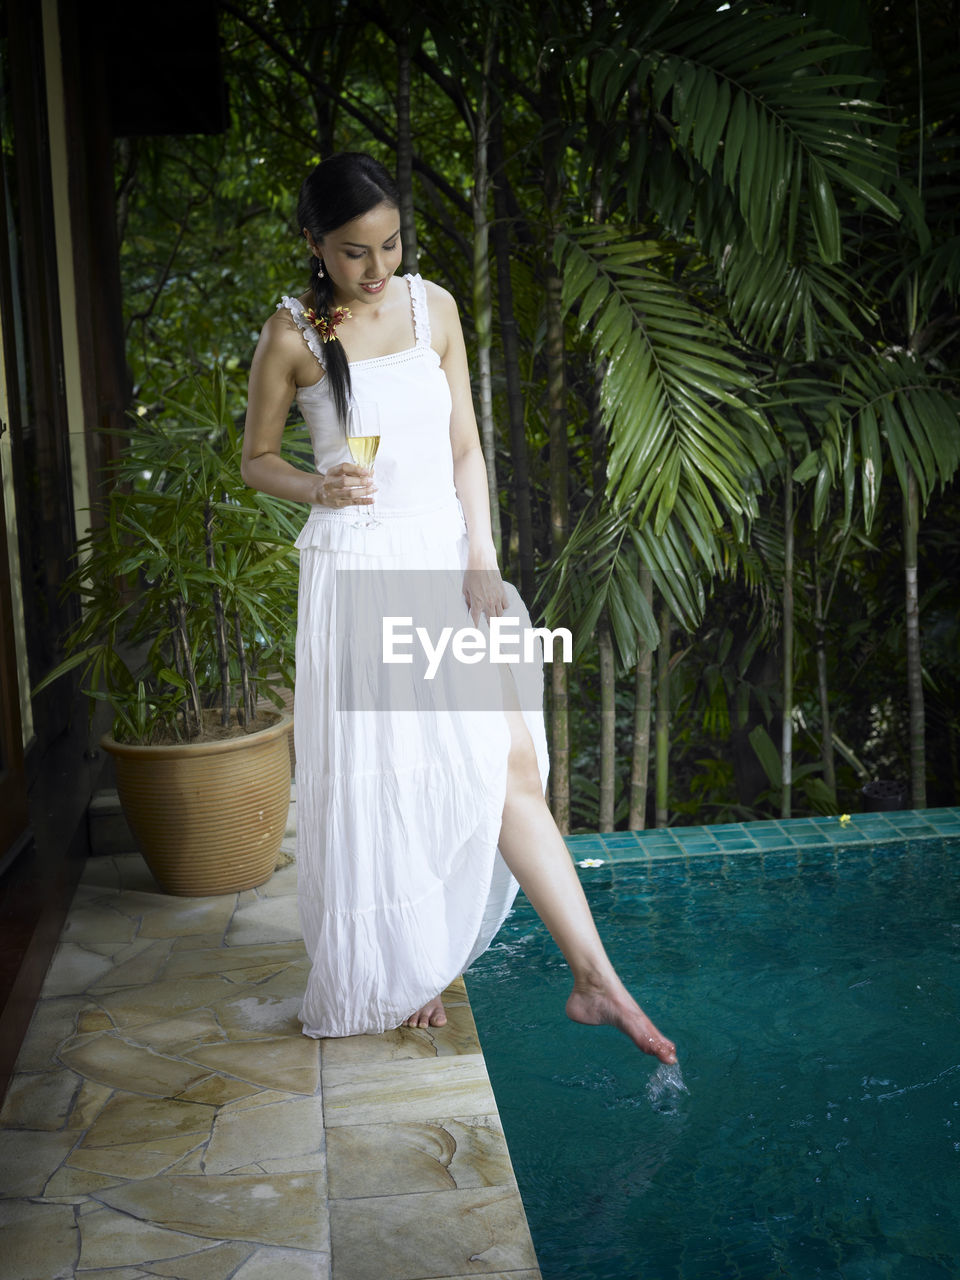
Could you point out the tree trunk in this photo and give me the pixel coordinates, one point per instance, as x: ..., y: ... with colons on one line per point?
x: 911, y: 530
x: 522, y: 512
x: 608, y: 699
x: 826, y: 730
x: 608, y: 726
x: 556, y: 408
x: 559, y: 529
x: 482, y: 303
x: 663, y: 717
x: 786, y: 751
x: 408, y: 222
x: 641, y: 722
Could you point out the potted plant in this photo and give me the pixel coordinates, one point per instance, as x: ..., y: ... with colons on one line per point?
x: 188, y: 589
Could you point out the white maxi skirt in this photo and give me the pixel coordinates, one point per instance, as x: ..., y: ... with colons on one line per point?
x: 400, y: 881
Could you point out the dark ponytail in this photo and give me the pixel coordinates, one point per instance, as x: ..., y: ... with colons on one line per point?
x: 339, y: 189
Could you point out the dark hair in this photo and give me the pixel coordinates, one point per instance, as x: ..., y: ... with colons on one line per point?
x: 343, y: 187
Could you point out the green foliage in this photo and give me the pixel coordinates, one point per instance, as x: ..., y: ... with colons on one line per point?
x: 188, y: 586
x: 761, y: 263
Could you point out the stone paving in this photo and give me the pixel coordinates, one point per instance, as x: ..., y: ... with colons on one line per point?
x: 168, y: 1119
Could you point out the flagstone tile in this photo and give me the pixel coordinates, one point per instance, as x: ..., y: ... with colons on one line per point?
x: 217, y: 1090
x: 254, y: 1016
x: 73, y: 970
x: 40, y: 1099
x: 288, y: 1264
x: 176, y: 1035
x: 167, y: 916
x: 139, y: 1006
x: 496, y: 1275
x: 111, y: 1061
x: 224, y: 960
x: 138, y: 964
x: 397, y: 1159
x: 456, y: 993
x: 122, y: 1273
x: 218, y: 1263
x: 417, y: 1089
x: 266, y: 920
x: 90, y: 1020
x: 97, y: 922
x: 288, y: 1063
x: 54, y: 1022
x: 459, y: 1036
x: 291, y: 982
x: 283, y: 883
x: 130, y: 1118
x: 250, y: 977
x: 198, y: 941
x: 89, y: 1102
x: 262, y: 1098
x: 37, y: 1241
x: 75, y: 1186
x: 134, y: 1159
x: 434, y: 1234
x: 29, y: 1158
x: 291, y: 1131
x: 279, y: 1208
x: 191, y: 1163
x: 112, y: 1239
x: 134, y: 873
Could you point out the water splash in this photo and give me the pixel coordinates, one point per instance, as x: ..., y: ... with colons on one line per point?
x: 665, y: 1087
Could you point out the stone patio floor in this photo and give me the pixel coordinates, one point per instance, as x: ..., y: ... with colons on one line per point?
x: 167, y: 1118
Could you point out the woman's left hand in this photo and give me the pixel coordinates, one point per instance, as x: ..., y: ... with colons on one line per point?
x: 483, y: 589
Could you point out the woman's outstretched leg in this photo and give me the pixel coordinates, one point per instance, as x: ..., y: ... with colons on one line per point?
x: 535, y: 852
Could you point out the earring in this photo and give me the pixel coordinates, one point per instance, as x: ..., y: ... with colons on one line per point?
x: 320, y: 272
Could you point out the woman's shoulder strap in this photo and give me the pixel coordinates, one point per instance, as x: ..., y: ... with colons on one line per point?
x: 310, y: 335
x: 421, y: 312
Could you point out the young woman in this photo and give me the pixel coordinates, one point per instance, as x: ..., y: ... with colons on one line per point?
x: 413, y: 830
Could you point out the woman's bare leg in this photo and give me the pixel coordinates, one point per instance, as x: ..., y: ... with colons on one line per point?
x: 534, y: 850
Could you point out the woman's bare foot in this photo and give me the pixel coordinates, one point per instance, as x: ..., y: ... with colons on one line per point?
x: 614, y: 1006
x: 432, y: 1014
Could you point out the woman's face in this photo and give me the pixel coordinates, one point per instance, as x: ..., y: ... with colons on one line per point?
x: 362, y: 255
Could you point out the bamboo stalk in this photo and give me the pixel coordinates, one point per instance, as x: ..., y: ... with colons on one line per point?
x: 641, y: 721
x: 249, y: 713
x: 911, y: 530
x: 223, y: 653
x: 190, y: 674
x: 820, y: 628
x: 408, y: 222
x: 482, y: 301
x: 663, y: 718
x: 786, y: 752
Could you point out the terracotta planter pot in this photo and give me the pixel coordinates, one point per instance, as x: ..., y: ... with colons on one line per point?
x: 208, y: 816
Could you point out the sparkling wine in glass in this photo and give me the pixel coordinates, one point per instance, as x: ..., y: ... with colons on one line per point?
x: 363, y: 440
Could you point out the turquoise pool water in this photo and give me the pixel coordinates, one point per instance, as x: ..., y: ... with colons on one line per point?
x: 813, y: 996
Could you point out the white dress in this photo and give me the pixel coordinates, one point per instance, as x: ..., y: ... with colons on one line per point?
x: 400, y: 882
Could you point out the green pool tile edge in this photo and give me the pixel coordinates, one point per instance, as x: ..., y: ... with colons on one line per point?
x: 769, y: 836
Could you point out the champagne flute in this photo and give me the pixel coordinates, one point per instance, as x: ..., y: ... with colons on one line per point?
x: 363, y: 440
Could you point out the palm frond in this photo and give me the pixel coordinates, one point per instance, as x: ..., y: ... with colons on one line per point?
x: 878, y: 406
x: 599, y: 569
x: 680, y: 426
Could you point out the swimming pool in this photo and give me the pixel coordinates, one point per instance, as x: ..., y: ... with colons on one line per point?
x: 813, y: 996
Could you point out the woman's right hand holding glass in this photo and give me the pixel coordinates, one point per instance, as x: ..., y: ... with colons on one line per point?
x: 346, y: 485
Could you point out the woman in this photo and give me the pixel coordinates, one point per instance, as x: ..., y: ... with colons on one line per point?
x: 412, y: 829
